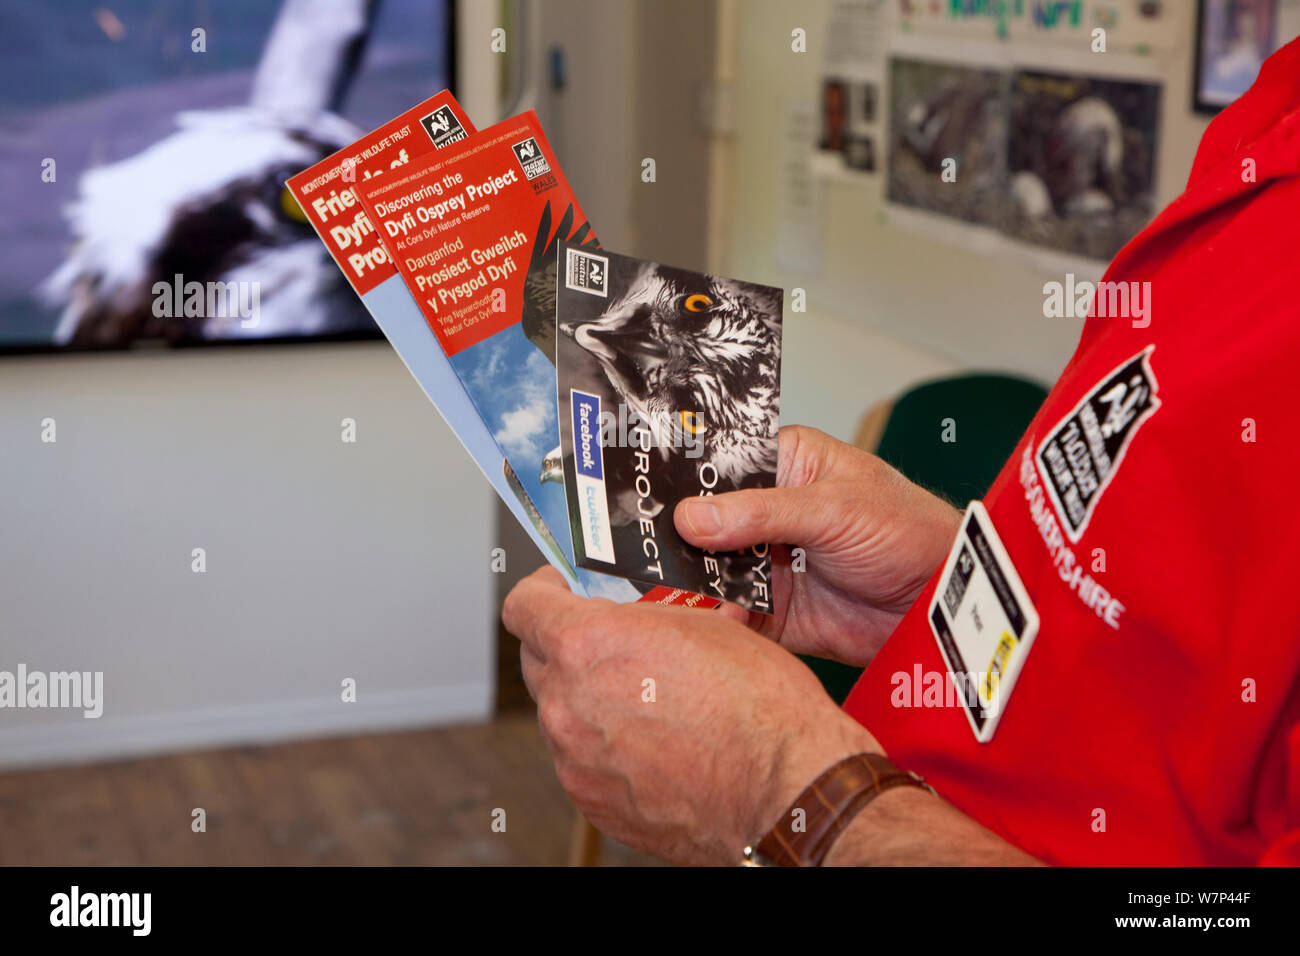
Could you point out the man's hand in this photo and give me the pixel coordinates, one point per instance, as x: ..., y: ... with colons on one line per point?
x: 696, y: 764
x: 871, y: 540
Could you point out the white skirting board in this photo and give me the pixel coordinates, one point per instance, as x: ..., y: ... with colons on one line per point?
x: 74, y: 739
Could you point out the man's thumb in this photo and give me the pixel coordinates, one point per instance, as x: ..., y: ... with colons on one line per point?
x: 738, y: 519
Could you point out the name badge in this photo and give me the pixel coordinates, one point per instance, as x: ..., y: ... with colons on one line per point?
x: 984, y: 622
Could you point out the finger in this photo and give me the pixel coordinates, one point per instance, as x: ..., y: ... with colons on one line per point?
x: 786, y: 514
x: 532, y: 668
x: 803, y: 455
x: 754, y: 620
x: 739, y: 519
x: 760, y: 622
x: 551, y: 576
x: 539, y: 607
x: 733, y: 612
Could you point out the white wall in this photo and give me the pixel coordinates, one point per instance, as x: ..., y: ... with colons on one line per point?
x: 325, y: 560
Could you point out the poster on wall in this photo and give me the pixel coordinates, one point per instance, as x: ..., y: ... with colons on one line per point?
x: 848, y: 121
x: 834, y: 115
x: 1081, y: 154
x: 1008, y: 117
x: 948, y: 140
x: 1132, y: 26
x: 1054, y: 160
x: 850, y: 86
x: 860, y: 143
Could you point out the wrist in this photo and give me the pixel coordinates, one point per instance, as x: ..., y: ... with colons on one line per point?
x: 860, y: 844
x: 801, y: 759
x: 829, y: 810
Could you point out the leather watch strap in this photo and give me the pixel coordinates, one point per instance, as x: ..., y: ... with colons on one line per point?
x: 829, y: 803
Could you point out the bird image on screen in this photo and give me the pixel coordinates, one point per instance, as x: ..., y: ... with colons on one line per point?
x: 202, y: 219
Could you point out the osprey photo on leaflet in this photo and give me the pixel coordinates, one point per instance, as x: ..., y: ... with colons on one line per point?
x: 669, y: 387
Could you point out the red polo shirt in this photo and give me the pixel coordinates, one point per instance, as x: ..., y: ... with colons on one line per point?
x: 1151, y: 511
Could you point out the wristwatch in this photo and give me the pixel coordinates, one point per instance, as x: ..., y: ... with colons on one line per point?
x: 829, y: 803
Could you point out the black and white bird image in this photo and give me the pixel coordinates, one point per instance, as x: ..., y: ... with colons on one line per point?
x: 698, y: 358
x: 208, y: 203
x: 942, y: 126
x: 1075, y: 165
x: 1083, y: 157
x: 691, y: 363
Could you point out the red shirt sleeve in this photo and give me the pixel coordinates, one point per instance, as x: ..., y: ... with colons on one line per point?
x: 1285, y: 849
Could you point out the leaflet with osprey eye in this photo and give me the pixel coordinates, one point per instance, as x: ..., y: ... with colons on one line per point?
x: 669, y: 387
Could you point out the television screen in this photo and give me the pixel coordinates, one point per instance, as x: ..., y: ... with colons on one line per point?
x: 146, y: 145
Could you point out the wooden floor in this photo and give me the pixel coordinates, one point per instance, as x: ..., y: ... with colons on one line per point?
x: 420, y: 798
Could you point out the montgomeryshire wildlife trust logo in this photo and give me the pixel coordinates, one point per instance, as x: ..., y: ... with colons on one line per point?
x: 443, y: 127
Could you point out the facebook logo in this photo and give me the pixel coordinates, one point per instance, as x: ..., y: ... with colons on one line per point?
x: 593, y: 506
x: 586, y: 434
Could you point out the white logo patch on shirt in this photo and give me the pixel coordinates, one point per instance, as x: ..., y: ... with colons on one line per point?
x: 1080, y: 456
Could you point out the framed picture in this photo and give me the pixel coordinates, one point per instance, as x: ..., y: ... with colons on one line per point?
x: 1233, y: 39
x: 1081, y: 161
x: 834, y: 114
x: 860, y: 153
x: 946, y: 117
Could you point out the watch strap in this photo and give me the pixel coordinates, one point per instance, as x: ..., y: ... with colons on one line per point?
x: 828, y: 804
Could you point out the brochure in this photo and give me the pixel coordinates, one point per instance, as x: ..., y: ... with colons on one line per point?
x: 669, y: 387
x: 472, y: 229
x: 455, y: 240
x: 326, y: 193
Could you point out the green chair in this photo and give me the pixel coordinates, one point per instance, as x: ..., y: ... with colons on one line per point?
x: 951, y: 436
